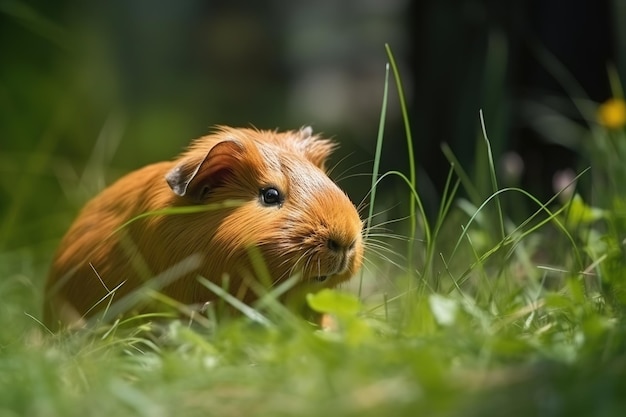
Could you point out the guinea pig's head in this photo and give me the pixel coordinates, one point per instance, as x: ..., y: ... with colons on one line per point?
x: 289, y: 210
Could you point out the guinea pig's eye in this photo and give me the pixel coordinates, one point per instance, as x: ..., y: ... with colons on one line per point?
x: 271, y: 196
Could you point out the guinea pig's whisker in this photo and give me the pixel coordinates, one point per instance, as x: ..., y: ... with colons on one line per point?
x: 307, y: 256
x: 293, y: 269
x: 378, y: 242
x: 386, y: 254
x: 300, y: 258
x: 339, y: 178
x: 281, y: 278
x: 318, y: 264
x: 381, y: 246
x: 382, y: 225
x: 365, y: 200
x: 390, y: 261
x: 344, y: 174
x: 378, y: 248
x: 391, y: 236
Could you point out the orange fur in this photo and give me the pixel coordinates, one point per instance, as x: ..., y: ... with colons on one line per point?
x: 314, y: 232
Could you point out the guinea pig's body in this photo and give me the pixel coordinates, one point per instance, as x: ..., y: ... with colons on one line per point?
x: 256, y: 193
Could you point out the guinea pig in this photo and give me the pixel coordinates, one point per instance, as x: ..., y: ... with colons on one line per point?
x: 232, y: 198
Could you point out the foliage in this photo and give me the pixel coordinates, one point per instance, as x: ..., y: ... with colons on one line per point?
x: 467, y: 313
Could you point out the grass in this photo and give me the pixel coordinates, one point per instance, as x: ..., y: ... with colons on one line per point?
x: 478, y: 315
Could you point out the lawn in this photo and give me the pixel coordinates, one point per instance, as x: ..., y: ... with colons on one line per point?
x: 470, y: 311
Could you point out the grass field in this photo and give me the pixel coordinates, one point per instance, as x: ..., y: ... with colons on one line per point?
x: 467, y: 313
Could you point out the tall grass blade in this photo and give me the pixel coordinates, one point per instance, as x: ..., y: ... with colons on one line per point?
x: 376, y: 167
x: 492, y: 173
x: 409, y: 139
x: 379, y: 147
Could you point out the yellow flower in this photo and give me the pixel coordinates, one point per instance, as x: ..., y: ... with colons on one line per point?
x: 612, y: 113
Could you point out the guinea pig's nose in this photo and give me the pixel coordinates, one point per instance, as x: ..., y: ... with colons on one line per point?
x: 336, y: 245
x: 343, y: 252
x: 333, y: 245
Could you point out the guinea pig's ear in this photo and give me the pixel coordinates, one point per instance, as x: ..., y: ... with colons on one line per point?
x: 196, y: 180
x: 315, y: 148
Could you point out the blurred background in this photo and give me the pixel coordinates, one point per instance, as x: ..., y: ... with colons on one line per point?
x: 91, y: 90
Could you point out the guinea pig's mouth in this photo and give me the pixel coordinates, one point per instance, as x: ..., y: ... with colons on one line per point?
x: 321, y: 278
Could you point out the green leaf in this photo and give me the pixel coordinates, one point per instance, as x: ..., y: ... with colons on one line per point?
x: 334, y: 302
x: 444, y: 309
x: 581, y: 213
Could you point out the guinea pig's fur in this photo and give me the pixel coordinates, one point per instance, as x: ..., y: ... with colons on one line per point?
x: 256, y: 192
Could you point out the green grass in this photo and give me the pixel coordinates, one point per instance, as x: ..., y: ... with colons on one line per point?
x: 468, y: 313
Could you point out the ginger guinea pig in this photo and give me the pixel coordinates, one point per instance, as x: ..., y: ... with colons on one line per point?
x: 251, y: 193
